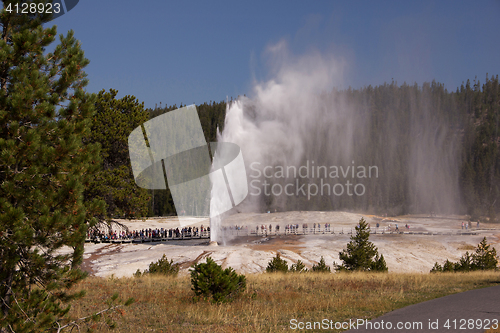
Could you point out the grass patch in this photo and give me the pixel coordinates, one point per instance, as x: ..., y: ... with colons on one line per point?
x: 165, y: 304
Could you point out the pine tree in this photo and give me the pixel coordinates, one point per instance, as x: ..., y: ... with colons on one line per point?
x: 321, y: 266
x: 463, y: 265
x: 277, y: 265
x: 298, y: 267
x: 485, y: 257
x: 437, y: 268
x: 449, y: 266
x: 114, y: 183
x: 361, y: 254
x: 209, y: 280
x: 44, y: 165
x: 379, y: 264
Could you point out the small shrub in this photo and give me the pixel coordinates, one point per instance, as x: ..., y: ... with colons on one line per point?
x: 209, y: 280
x: 162, y: 266
x: 437, y: 268
x: 378, y: 264
x: 321, y: 266
x: 485, y: 258
x: 277, y: 265
x: 298, y: 267
x: 448, y: 266
x: 464, y: 264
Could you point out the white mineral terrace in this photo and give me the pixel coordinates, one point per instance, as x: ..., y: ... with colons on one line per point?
x: 429, y: 239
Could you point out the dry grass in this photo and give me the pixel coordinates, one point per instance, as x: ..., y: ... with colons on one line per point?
x: 271, y: 300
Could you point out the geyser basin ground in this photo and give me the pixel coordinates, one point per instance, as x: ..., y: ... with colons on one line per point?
x: 402, y: 252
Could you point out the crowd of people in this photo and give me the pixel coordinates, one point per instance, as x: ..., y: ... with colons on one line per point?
x: 263, y: 229
x: 187, y: 232
x: 468, y: 225
x: 293, y: 228
x: 94, y: 233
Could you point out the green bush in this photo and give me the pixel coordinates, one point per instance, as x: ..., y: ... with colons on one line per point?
x: 163, y: 266
x: 465, y: 264
x: 321, y: 266
x: 298, y: 267
x: 437, y: 268
x: 485, y: 258
x: 379, y: 264
x: 209, y: 280
x: 277, y: 265
x: 448, y: 266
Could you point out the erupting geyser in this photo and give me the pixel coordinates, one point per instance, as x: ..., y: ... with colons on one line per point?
x: 299, y: 118
x: 229, y: 184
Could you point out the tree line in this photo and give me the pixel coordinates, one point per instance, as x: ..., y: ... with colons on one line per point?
x: 437, y: 151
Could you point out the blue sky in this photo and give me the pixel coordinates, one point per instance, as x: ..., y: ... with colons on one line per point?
x: 199, y: 51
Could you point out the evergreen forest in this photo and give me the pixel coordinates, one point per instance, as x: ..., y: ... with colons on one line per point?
x: 465, y: 121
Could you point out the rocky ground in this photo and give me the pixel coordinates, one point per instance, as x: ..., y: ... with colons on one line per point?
x: 440, y: 238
